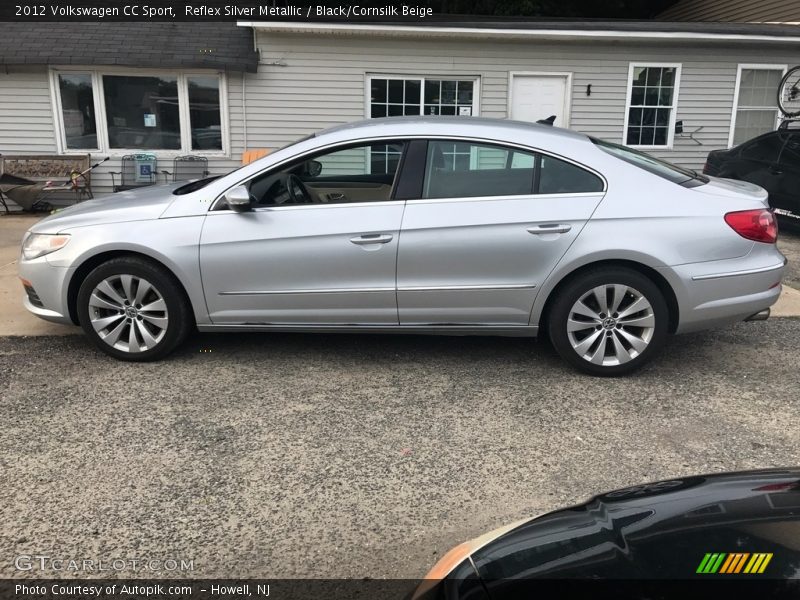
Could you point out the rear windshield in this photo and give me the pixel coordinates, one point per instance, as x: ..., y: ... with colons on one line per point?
x: 653, y: 165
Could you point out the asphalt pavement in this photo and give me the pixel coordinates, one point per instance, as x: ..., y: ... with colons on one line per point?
x: 358, y: 456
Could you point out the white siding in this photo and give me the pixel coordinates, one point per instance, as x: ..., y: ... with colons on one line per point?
x: 323, y: 81
x: 26, y: 118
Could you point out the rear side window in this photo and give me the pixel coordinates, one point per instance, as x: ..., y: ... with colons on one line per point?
x: 763, y: 149
x: 560, y: 177
x: 470, y: 170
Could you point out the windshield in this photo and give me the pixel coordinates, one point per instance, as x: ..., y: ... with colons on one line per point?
x: 649, y: 163
x: 193, y: 186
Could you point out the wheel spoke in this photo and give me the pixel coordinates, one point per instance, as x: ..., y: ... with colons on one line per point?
x: 599, y: 354
x: 98, y: 302
x: 636, y: 343
x: 573, y: 325
x: 103, y: 322
x: 160, y: 322
x: 581, y: 309
x: 619, y: 292
x: 112, y: 337
x: 583, y: 347
x: 643, y: 321
x: 636, y: 306
x: 157, y: 306
x: 109, y: 291
x: 601, y: 295
x: 133, y: 342
x: 620, y: 351
x: 141, y: 291
x: 147, y: 337
x: 127, y: 286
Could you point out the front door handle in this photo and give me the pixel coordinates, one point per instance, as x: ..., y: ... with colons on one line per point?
x: 549, y: 228
x: 371, y: 238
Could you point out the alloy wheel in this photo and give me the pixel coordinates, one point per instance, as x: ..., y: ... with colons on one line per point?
x: 128, y: 313
x: 611, y: 325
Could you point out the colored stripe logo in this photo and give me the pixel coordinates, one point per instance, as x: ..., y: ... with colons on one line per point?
x: 734, y: 562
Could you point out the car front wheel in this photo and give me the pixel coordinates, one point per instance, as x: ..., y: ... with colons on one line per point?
x: 133, y: 310
x: 609, y: 322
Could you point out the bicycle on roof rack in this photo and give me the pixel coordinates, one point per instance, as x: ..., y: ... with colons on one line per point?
x: 789, y: 93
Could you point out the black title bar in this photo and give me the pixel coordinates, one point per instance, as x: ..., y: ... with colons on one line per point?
x: 216, y: 10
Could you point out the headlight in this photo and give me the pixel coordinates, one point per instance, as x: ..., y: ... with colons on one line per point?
x: 39, y: 244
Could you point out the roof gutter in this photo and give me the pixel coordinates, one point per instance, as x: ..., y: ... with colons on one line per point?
x: 507, y: 34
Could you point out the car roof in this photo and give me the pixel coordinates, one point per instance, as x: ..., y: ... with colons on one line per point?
x: 480, y: 127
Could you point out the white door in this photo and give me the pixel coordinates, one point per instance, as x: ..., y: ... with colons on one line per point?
x: 535, y: 97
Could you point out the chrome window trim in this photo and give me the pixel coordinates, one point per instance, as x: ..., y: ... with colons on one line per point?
x: 505, y: 197
x: 405, y: 138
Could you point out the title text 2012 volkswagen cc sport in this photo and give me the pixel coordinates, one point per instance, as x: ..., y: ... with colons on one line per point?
x: 426, y: 225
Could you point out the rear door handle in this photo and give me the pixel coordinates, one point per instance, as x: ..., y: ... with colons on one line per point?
x: 371, y: 238
x: 549, y: 228
x: 775, y: 171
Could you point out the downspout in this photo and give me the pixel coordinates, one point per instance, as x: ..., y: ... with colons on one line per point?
x: 244, y: 109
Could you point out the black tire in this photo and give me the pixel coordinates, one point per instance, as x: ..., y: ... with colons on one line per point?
x: 583, y: 284
x: 178, y: 312
x: 791, y: 75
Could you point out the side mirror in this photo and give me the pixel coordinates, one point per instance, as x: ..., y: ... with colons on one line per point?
x: 313, y: 168
x: 238, y: 198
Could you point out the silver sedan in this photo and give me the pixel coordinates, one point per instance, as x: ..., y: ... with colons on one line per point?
x: 458, y: 226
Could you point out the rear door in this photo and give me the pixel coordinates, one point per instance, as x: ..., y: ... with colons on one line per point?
x: 488, y: 226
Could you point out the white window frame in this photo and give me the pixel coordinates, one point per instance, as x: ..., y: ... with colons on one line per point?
x: 753, y: 66
x: 673, y: 108
x: 368, y: 77
x: 97, y: 74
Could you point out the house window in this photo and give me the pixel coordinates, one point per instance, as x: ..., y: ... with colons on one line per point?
x: 157, y: 111
x: 77, y: 111
x: 755, y: 111
x: 142, y: 112
x: 652, y: 99
x: 204, y: 112
x: 394, y: 96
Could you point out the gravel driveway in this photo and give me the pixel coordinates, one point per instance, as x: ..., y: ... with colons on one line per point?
x: 356, y: 456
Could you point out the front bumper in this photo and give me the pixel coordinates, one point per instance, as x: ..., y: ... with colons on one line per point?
x: 49, y: 284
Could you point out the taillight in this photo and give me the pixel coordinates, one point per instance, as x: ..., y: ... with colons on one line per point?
x: 758, y: 225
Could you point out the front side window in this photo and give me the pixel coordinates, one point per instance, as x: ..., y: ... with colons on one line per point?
x: 142, y: 112
x: 398, y: 96
x: 651, y: 105
x: 469, y: 170
x: 77, y: 111
x: 342, y: 176
x: 756, y: 111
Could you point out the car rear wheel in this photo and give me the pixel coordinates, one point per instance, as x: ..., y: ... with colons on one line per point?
x: 609, y: 322
x: 133, y: 310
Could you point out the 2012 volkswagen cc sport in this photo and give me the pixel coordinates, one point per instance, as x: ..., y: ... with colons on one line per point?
x: 425, y: 225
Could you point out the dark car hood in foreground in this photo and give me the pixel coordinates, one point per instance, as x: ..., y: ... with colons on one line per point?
x: 659, y: 530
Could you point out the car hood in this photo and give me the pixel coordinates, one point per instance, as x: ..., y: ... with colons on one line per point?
x: 136, y: 205
x: 732, y: 188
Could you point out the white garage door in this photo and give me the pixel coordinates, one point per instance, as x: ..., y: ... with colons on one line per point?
x: 535, y: 97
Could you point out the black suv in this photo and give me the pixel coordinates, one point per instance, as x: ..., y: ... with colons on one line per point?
x: 771, y: 160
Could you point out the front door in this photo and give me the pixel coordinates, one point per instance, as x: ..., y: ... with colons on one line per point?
x: 319, y: 246
x: 491, y: 224
x: 535, y: 97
